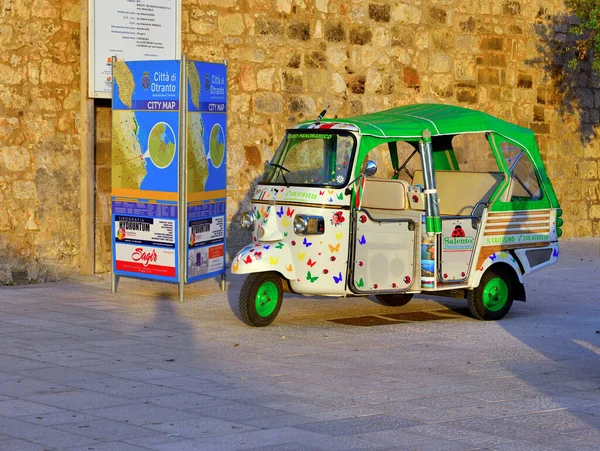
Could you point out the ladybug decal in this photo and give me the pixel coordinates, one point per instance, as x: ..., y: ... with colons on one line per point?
x: 337, y: 218
x: 458, y: 232
x: 363, y: 218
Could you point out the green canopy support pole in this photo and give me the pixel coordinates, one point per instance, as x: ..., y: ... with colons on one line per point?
x: 433, y: 223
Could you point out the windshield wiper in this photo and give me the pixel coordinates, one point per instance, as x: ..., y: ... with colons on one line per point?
x: 278, y: 166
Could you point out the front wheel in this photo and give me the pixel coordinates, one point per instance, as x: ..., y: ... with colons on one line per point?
x: 260, y: 298
x: 493, y: 298
x: 394, y: 300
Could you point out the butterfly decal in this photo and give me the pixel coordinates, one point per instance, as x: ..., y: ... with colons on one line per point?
x: 340, y: 196
x: 321, y: 193
x: 330, y: 191
x: 235, y: 267
x: 331, y: 199
x: 279, y: 245
x: 360, y: 283
x: 280, y: 212
x: 334, y: 248
x: 337, y: 279
x: 306, y: 242
x: 290, y: 212
x: 310, y: 278
x: 258, y: 255
x: 258, y: 216
x: 248, y: 260
x: 301, y: 256
x: 263, y: 211
x: 266, y: 247
x: 286, y: 222
x: 285, y: 234
x: 338, y: 235
x: 289, y: 267
x: 362, y: 240
x: 311, y: 263
x: 273, y: 260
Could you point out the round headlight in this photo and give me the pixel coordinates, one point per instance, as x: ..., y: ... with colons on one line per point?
x: 300, y: 224
x: 247, y: 220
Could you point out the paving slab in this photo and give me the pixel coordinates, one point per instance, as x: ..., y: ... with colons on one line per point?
x: 82, y: 368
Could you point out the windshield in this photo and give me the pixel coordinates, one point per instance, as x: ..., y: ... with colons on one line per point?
x: 312, y: 158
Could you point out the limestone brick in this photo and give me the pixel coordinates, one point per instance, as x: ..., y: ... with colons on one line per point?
x: 403, y: 13
x: 265, y: 79
x: 268, y: 103
x: 284, y: 6
x: 338, y: 85
x: 440, y: 63
x: 231, y: 24
x: 15, y: 159
x: 247, y: 78
x: 24, y: 189
x: 10, y: 75
x: 240, y: 103
x: 56, y: 73
x: 322, y: 5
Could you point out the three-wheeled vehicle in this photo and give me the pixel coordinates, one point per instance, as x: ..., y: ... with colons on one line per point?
x: 421, y: 198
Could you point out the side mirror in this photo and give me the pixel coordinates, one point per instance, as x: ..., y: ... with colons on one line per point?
x: 370, y: 169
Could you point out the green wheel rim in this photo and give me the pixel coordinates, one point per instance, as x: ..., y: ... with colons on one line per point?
x: 266, y: 299
x: 495, y: 294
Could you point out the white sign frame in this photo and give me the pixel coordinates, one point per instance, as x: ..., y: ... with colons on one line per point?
x: 94, y: 59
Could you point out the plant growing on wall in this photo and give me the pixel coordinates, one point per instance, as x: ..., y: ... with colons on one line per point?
x: 586, y: 32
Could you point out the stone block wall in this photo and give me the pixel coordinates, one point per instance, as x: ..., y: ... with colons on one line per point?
x: 287, y: 60
x: 39, y: 139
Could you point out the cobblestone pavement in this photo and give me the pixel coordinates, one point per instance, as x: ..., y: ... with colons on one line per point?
x: 83, y: 369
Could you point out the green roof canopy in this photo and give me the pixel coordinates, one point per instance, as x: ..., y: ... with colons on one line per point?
x: 410, y: 121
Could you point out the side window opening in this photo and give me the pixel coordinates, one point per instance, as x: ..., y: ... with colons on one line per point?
x: 473, y: 153
x: 395, y: 160
x: 467, y: 173
x: 524, y: 184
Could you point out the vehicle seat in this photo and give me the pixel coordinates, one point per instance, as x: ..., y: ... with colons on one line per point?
x: 459, y: 192
x: 384, y: 198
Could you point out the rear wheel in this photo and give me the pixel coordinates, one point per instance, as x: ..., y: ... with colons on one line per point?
x: 394, y: 300
x: 494, y: 296
x: 260, y: 298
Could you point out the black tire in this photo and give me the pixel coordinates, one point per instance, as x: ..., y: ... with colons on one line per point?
x: 258, y: 292
x: 494, y: 296
x: 394, y: 300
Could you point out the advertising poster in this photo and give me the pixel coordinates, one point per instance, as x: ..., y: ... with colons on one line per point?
x: 206, y: 169
x: 145, y: 143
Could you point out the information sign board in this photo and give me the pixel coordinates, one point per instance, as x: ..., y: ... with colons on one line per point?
x: 145, y: 170
x: 169, y: 177
x: 130, y: 30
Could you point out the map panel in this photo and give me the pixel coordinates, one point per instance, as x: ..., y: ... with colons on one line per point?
x: 145, y: 126
x: 145, y: 169
x: 206, y: 168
